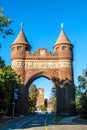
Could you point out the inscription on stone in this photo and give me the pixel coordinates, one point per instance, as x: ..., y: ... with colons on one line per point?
x: 41, y: 64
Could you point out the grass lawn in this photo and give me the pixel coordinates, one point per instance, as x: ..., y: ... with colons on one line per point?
x: 80, y: 120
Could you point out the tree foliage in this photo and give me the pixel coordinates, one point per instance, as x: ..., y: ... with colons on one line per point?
x: 82, y: 79
x: 7, y: 80
x: 7, y: 77
x: 4, y: 24
x: 42, y: 108
x: 2, y: 62
x: 53, y: 98
x: 81, y: 95
x: 33, y: 93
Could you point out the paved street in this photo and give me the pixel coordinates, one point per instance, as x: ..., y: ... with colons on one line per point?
x: 32, y: 121
x: 40, y: 122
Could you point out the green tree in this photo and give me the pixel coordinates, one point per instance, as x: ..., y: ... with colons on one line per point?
x: 81, y: 99
x: 2, y: 63
x: 33, y: 93
x: 42, y: 108
x: 53, y: 98
x: 7, y: 79
x: 6, y: 73
x: 82, y: 79
x: 4, y: 24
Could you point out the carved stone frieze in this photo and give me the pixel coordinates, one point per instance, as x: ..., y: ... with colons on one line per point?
x: 41, y: 64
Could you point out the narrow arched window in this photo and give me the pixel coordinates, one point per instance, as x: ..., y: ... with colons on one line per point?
x: 64, y: 47
x: 57, y: 48
x: 40, y: 92
x: 70, y: 48
x: 26, y: 48
x: 19, y: 48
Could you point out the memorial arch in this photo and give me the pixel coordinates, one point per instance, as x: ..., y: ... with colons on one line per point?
x: 56, y: 66
x: 38, y: 75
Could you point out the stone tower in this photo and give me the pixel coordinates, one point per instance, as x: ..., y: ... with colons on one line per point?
x: 57, y: 67
x: 20, y: 47
x: 40, y: 98
x: 64, y: 49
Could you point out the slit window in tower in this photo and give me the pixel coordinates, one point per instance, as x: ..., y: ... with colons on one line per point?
x: 70, y: 48
x: 57, y: 48
x: 64, y: 48
x: 26, y: 49
x: 19, y: 48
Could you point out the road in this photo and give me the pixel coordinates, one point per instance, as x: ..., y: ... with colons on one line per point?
x: 34, y: 122
x: 39, y: 122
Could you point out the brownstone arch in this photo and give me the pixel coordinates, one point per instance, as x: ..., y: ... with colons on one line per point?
x: 38, y: 75
x: 57, y: 67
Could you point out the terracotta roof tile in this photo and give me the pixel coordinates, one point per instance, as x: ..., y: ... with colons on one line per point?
x: 62, y: 38
x: 21, y: 38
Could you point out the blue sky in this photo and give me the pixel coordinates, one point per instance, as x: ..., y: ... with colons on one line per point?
x: 41, y: 22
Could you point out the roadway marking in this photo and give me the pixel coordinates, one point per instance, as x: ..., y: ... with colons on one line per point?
x: 25, y: 122
x: 46, y: 127
x: 21, y: 124
x: 45, y: 124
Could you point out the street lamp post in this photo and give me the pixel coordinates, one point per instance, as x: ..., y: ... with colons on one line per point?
x: 15, y: 97
x: 13, y: 103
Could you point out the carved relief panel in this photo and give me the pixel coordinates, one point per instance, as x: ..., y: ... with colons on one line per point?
x: 41, y: 64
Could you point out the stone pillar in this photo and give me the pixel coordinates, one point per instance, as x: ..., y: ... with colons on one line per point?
x: 65, y: 99
x: 22, y: 103
x: 61, y: 101
x: 58, y: 103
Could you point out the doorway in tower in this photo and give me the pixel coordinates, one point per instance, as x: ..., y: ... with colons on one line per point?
x: 42, y: 96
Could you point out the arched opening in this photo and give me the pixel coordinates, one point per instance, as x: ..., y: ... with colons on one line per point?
x: 64, y: 93
x: 41, y: 95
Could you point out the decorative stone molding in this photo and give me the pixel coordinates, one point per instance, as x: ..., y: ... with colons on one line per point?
x: 41, y: 64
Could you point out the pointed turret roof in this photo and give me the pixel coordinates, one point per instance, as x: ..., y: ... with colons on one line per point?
x: 62, y: 37
x: 21, y: 38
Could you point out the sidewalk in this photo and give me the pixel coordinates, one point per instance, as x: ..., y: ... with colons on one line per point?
x: 68, y: 120
x: 5, y: 119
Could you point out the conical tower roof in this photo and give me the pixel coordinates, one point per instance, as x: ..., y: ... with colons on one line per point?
x: 21, y: 38
x: 62, y: 37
